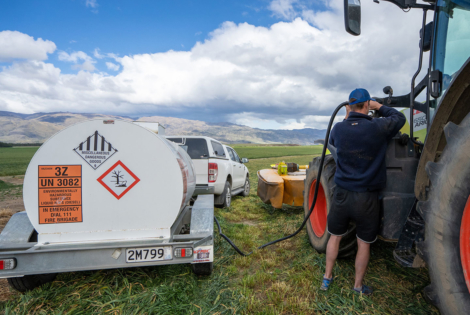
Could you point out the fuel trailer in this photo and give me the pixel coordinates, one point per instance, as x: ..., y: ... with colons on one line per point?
x: 106, y: 194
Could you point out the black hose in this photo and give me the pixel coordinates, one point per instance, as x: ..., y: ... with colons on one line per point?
x: 312, y: 206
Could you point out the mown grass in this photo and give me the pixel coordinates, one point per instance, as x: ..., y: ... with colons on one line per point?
x: 14, y: 161
x: 8, y: 191
x: 281, y: 279
x: 256, y: 152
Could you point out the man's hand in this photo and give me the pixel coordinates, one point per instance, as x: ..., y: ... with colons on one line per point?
x: 374, y: 105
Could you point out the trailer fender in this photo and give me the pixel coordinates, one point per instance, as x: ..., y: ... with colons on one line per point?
x: 455, y: 105
x: 18, y: 229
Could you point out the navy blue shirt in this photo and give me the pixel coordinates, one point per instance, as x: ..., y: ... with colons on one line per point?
x: 361, y: 144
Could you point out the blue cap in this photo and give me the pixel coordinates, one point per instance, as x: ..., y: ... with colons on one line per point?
x: 361, y: 95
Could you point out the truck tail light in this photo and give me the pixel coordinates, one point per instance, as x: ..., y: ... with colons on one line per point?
x: 183, y: 252
x: 213, y: 172
x: 7, y: 264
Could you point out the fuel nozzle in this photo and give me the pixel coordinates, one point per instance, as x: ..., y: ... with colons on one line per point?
x: 388, y: 90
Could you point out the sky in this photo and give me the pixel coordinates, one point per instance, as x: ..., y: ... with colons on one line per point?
x: 269, y: 64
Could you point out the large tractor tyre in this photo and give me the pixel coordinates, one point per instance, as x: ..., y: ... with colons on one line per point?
x: 446, y: 248
x: 317, y: 223
x: 29, y: 282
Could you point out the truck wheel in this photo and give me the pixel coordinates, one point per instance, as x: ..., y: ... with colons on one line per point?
x: 203, y: 269
x: 246, y: 187
x: 29, y: 282
x: 446, y: 248
x: 224, y: 200
x: 317, y: 224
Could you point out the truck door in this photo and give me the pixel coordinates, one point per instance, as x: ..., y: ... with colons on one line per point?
x: 238, y: 168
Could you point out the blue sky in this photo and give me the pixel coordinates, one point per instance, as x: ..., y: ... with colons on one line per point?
x: 127, y: 27
x: 267, y: 63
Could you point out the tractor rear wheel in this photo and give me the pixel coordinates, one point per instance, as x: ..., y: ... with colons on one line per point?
x: 317, y: 224
x: 446, y: 248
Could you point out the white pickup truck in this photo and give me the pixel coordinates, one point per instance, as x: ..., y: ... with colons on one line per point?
x: 219, y: 169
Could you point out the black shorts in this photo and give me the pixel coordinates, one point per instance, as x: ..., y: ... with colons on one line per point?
x: 361, y: 207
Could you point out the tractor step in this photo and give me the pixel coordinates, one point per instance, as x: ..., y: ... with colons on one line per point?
x: 404, y: 257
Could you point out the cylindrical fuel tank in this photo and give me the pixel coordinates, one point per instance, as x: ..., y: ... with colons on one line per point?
x: 106, y: 180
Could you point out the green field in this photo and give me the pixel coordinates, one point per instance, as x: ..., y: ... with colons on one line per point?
x: 14, y: 161
x: 256, y: 152
x: 281, y: 279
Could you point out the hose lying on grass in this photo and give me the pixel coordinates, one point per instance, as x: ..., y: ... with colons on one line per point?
x: 312, y: 206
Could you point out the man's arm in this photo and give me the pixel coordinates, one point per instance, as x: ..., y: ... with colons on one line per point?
x: 392, y: 120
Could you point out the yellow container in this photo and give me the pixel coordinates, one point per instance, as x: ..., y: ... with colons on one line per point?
x: 282, y: 168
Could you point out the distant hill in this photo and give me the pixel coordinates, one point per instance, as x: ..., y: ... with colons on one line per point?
x: 29, y: 128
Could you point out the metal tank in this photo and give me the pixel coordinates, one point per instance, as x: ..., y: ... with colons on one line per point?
x: 106, y: 180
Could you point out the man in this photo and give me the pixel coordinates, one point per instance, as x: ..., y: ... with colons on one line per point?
x: 361, y: 143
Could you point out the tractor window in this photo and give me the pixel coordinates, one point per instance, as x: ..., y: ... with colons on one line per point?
x: 452, y: 40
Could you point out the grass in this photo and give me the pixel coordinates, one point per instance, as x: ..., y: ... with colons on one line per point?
x: 14, y: 161
x: 256, y: 152
x: 281, y: 279
x: 9, y: 191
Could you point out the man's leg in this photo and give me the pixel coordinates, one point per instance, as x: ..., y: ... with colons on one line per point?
x: 362, y: 259
x: 331, y: 254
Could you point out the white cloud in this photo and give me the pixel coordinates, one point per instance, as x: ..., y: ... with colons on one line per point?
x: 291, y: 74
x: 92, y: 4
x: 283, y: 8
x: 16, y: 45
x: 97, y: 54
x: 75, y: 57
x: 112, y: 66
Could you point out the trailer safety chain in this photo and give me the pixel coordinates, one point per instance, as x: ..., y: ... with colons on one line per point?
x: 312, y: 206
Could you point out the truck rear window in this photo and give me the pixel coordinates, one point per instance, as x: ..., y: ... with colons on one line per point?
x: 197, y: 148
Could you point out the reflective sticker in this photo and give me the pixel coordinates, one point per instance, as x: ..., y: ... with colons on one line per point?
x: 203, y: 254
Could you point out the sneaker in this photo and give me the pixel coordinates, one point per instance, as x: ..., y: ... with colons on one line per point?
x: 326, y: 283
x: 364, y: 290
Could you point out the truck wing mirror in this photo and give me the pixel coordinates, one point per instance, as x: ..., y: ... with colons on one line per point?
x: 245, y: 160
x: 352, y: 16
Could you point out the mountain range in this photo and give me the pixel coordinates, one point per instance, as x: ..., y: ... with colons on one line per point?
x: 36, y: 128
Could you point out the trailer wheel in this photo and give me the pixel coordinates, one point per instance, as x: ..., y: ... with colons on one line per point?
x: 29, y: 282
x: 446, y: 248
x: 203, y: 269
x: 246, y: 187
x: 317, y: 224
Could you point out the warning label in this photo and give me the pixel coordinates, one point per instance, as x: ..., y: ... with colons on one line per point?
x: 203, y: 254
x: 60, y: 194
x: 118, y: 179
x: 95, y: 150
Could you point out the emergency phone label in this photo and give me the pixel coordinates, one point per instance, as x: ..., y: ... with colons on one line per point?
x: 60, y: 194
x: 95, y: 150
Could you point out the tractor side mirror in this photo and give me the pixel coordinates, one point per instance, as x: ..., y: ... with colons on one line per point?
x: 428, y: 29
x: 352, y: 16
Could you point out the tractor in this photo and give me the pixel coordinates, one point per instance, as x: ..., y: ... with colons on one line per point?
x: 425, y: 206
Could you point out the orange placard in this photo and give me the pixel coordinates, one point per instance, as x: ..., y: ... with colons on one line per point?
x: 60, y: 194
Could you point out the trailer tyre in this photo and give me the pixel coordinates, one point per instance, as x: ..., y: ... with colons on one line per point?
x: 317, y: 224
x: 203, y: 269
x: 29, y: 282
x: 446, y: 248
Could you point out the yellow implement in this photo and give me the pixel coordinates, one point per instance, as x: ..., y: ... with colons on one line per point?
x: 275, y: 189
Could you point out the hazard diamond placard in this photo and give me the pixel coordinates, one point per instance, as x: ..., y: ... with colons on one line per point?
x: 118, y: 180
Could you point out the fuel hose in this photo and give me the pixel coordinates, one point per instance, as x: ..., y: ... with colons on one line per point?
x: 312, y: 206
